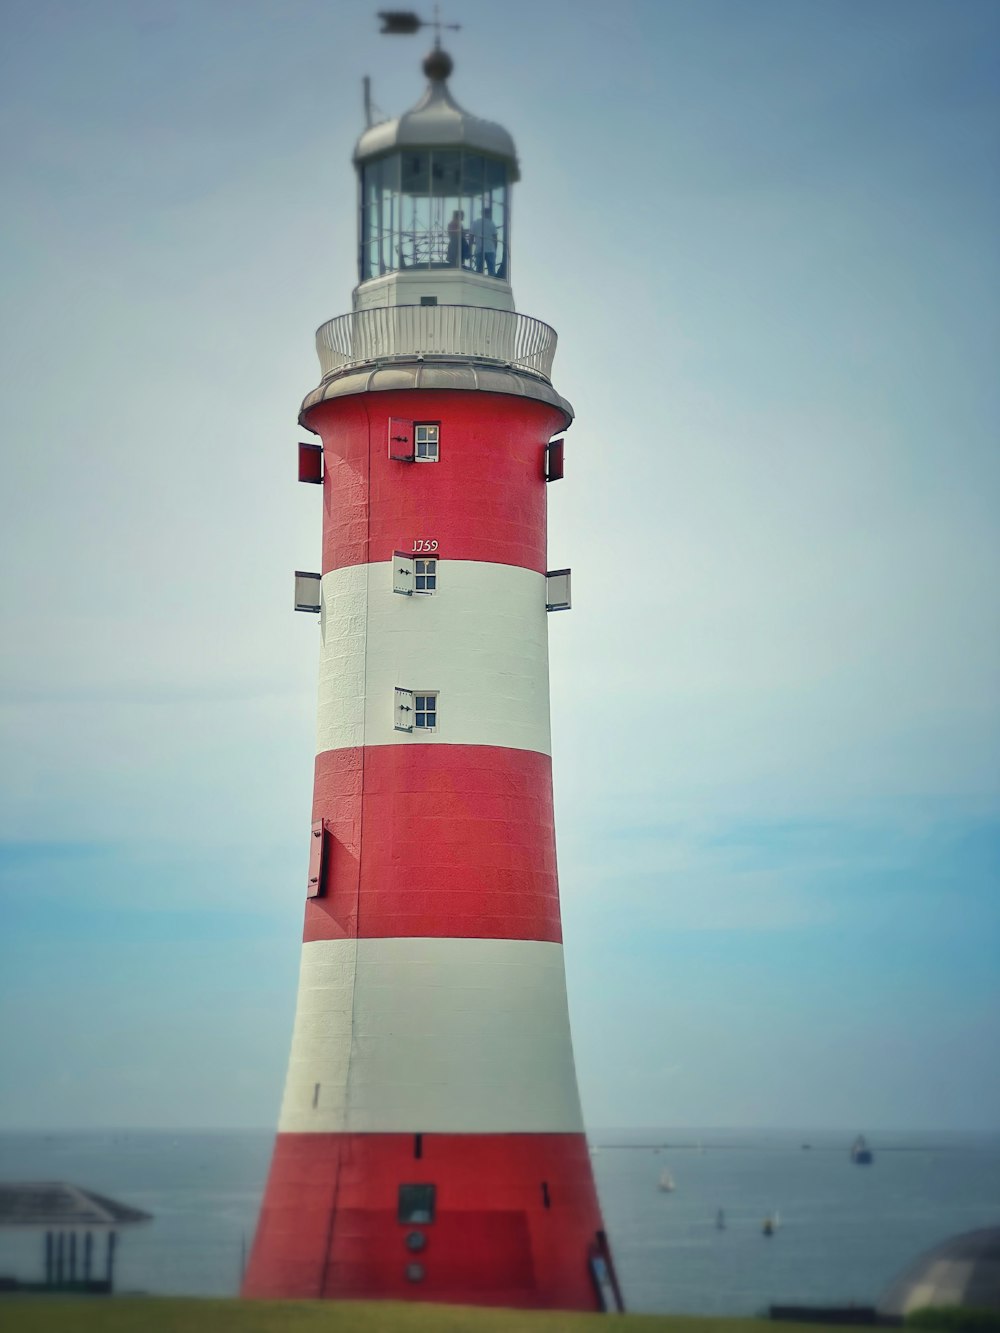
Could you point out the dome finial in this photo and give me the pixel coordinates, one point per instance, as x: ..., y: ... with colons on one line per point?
x: 438, y: 64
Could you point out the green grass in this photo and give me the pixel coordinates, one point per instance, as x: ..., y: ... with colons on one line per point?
x: 159, y: 1315
x: 955, y: 1319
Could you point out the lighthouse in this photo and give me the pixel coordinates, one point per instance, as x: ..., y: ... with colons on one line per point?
x: 430, y: 1143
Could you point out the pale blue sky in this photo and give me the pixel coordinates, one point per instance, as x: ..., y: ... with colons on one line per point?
x: 766, y: 233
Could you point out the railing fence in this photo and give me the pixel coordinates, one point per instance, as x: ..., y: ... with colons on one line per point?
x: 477, y: 333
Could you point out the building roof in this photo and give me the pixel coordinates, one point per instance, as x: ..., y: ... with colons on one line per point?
x: 964, y: 1270
x: 437, y: 121
x: 58, y: 1204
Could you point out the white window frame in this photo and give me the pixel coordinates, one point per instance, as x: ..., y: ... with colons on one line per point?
x: 427, y: 437
x: 418, y: 711
x: 425, y: 574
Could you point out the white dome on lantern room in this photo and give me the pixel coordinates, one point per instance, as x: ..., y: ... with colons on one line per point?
x: 435, y: 205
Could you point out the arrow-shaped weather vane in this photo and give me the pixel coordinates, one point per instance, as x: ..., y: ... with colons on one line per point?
x: 405, y: 22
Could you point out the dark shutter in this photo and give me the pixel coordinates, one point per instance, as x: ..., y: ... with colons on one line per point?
x: 310, y: 462
x: 307, y: 591
x: 557, y: 590
x: 554, y: 460
x: 316, y: 888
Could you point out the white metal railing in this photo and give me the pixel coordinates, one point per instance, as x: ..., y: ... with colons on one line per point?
x: 449, y: 332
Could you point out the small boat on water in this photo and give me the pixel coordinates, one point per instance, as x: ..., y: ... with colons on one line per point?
x: 667, y: 1183
x: 720, y: 1220
x: 767, y: 1226
x: 861, y: 1154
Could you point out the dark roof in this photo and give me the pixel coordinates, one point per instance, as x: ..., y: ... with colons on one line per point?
x: 964, y: 1270
x: 54, y: 1203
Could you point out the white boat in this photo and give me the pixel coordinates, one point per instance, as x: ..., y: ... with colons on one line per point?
x: 667, y: 1183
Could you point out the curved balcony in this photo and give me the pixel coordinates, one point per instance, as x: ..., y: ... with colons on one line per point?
x: 436, y: 333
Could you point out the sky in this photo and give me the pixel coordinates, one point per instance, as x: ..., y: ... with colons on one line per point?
x: 766, y: 232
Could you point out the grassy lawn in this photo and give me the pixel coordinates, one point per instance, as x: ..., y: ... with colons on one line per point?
x: 159, y: 1315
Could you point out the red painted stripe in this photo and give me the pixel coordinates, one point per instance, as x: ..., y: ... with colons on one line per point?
x: 436, y: 840
x: 329, y: 1223
x: 484, y: 500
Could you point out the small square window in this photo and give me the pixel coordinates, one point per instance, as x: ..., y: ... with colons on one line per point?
x: 416, y: 1203
x: 425, y: 711
x: 425, y: 576
x: 425, y: 442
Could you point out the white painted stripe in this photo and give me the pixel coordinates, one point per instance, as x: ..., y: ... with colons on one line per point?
x: 431, y: 1035
x: 480, y: 641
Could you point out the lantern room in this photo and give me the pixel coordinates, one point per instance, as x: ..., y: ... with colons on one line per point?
x: 434, y: 193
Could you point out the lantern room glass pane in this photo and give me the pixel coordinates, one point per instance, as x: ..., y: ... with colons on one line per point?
x: 495, y: 200
x: 368, y: 238
x: 433, y: 209
x: 446, y: 172
x: 389, y: 228
x: 472, y: 174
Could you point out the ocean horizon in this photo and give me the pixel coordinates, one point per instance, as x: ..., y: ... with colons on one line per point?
x: 842, y: 1234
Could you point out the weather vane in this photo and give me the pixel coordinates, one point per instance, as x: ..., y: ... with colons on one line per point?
x: 405, y: 22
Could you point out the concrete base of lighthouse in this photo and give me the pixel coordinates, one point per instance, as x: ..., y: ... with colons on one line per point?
x: 516, y: 1220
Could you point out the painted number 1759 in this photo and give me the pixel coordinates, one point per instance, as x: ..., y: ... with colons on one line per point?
x: 423, y: 544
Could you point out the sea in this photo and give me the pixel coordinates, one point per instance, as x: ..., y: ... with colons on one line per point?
x: 842, y: 1232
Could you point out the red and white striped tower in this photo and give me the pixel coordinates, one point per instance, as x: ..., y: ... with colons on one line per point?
x: 431, y: 1145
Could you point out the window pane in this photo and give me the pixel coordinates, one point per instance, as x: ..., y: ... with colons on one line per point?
x: 495, y: 199
x: 389, y: 219
x: 496, y: 174
x: 472, y: 173
x: 415, y: 168
x: 446, y: 168
x: 368, y: 237
x: 414, y: 243
x: 390, y: 172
